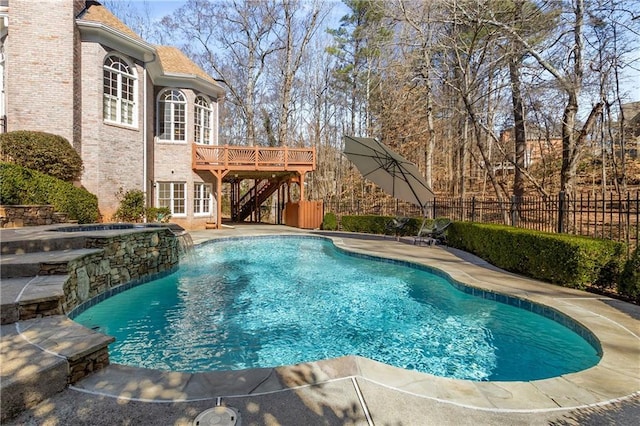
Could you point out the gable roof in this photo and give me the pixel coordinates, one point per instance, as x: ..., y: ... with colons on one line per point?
x: 631, y: 111
x: 174, y: 61
x: 96, y: 12
x: 167, y: 65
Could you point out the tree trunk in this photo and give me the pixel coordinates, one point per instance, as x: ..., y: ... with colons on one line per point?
x: 520, y: 136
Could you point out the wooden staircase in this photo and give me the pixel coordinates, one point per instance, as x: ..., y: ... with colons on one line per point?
x: 253, y: 199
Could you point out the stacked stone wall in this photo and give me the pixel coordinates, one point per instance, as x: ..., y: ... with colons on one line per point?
x: 84, y: 366
x: 126, y: 257
x: 19, y: 216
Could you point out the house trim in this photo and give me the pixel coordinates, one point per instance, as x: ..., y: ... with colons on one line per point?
x: 100, y: 33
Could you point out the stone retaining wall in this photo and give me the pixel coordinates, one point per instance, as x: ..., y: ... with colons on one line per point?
x: 126, y: 257
x: 20, y: 216
x: 84, y: 366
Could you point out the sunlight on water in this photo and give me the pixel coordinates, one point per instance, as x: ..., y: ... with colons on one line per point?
x: 265, y: 302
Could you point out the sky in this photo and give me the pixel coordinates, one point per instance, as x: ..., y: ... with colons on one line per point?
x: 161, y: 8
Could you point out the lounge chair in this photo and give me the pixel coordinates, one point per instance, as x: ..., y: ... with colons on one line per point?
x: 397, y: 225
x: 433, y: 233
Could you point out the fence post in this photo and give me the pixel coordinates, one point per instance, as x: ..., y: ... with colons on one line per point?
x: 473, y: 208
x: 561, y: 211
x: 628, y: 224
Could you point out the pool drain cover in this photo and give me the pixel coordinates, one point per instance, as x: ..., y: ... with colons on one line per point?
x: 217, y: 416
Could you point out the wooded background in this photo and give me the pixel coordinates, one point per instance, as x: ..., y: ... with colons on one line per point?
x: 491, y: 98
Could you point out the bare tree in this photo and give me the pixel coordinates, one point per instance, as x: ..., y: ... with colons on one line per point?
x: 140, y: 19
x: 233, y: 40
x: 567, y: 68
x: 418, y: 35
x: 435, y: 79
x: 299, y: 24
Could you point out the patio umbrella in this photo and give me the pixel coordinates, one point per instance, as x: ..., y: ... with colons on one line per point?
x: 396, y: 175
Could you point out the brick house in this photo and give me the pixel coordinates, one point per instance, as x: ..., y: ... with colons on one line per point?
x: 539, y: 146
x: 132, y: 110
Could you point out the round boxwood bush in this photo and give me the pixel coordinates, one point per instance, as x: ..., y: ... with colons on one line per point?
x: 131, y: 207
x: 46, y: 153
x: 330, y: 222
x: 629, y: 284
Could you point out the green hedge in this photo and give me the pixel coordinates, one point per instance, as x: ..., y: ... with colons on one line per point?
x: 571, y: 261
x: 330, y: 222
x: 629, y: 284
x: 46, y: 153
x: 22, y: 186
x: 378, y: 225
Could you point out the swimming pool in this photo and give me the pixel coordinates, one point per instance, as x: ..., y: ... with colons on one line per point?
x: 262, y: 302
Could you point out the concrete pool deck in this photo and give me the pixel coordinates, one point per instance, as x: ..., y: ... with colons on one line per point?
x: 353, y: 390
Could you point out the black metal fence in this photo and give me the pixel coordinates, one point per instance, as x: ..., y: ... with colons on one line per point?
x: 610, y: 216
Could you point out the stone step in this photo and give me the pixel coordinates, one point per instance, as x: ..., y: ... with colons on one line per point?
x: 29, y: 375
x: 63, y: 241
x: 40, y: 357
x: 31, y: 297
x: 42, y: 263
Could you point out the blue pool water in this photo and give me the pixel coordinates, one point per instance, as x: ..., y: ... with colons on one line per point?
x: 264, y: 302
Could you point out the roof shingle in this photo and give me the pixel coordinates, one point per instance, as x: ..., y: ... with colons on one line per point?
x: 99, y: 13
x: 173, y: 60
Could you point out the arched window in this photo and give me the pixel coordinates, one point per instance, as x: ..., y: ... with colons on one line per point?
x: 203, y: 121
x: 172, y: 116
x: 120, y: 85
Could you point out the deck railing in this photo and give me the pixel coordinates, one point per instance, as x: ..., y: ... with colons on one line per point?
x: 223, y: 157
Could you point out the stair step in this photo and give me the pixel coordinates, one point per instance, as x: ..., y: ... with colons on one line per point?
x: 51, y: 243
x: 44, y: 263
x: 60, y: 335
x: 40, y: 357
x: 246, y: 205
x: 29, y: 375
x: 31, y: 297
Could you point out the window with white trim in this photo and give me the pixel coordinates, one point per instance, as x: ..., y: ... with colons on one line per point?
x: 203, y: 121
x: 172, y: 116
x: 119, y: 91
x: 173, y: 196
x: 201, y: 199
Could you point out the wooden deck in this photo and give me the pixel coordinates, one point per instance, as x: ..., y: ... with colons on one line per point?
x: 241, y: 158
x: 234, y: 163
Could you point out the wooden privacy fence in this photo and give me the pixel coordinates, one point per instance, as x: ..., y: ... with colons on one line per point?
x: 610, y: 216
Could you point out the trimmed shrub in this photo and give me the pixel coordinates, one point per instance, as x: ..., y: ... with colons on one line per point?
x: 158, y: 214
x: 365, y: 224
x: 629, y: 284
x: 22, y: 186
x: 131, y: 208
x: 43, y: 152
x: 330, y: 222
x: 378, y: 225
x: 568, y: 260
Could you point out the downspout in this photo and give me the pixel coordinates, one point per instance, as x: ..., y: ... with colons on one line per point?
x: 217, y: 121
x: 144, y: 139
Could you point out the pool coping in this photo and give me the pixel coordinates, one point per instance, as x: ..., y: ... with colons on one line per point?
x: 616, y: 377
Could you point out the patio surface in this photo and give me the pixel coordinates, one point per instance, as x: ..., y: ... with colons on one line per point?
x: 354, y: 390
